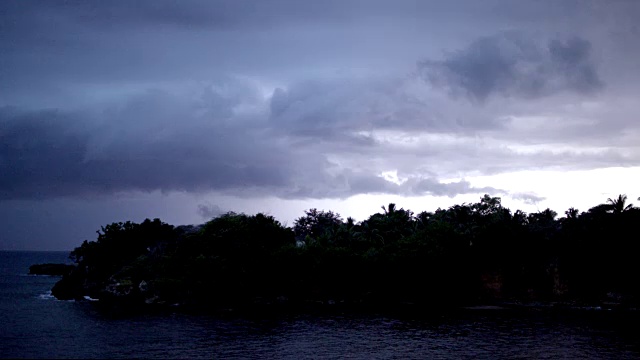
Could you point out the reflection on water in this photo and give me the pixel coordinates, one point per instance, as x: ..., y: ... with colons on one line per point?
x: 38, y: 326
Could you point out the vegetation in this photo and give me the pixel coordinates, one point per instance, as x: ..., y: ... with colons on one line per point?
x: 466, y: 254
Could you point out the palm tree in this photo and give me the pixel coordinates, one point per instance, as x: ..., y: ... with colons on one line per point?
x: 617, y: 206
x: 572, y: 213
x: 390, y: 210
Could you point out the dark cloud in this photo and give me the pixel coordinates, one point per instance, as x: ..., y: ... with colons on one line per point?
x: 55, y: 43
x: 63, y: 46
x: 152, y: 142
x: 436, y: 188
x: 309, y: 141
x: 349, y: 183
x: 231, y: 14
x: 159, y: 141
x: 318, y: 109
x: 514, y: 65
x: 132, y: 108
x: 218, y: 14
x: 347, y: 109
x: 208, y: 211
x: 527, y: 198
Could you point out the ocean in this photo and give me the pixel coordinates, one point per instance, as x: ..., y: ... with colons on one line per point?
x: 33, y: 324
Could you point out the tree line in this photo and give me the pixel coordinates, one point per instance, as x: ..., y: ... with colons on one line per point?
x: 470, y: 253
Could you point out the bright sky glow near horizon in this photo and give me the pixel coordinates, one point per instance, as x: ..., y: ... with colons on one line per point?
x: 117, y: 110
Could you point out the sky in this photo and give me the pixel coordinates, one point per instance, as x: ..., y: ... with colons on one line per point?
x: 183, y: 110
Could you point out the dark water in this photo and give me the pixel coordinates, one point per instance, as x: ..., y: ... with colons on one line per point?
x: 35, y: 325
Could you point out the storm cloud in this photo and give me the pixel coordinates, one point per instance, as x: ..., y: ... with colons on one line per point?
x: 208, y: 211
x: 54, y: 153
x: 298, y: 102
x: 218, y: 142
x: 513, y: 64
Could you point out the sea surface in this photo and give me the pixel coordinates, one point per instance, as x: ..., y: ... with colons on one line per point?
x: 35, y: 325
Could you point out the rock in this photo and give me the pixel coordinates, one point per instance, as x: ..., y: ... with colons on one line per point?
x: 67, y: 289
x: 152, y: 300
x: 122, y: 288
x: 51, y: 269
x: 143, y: 286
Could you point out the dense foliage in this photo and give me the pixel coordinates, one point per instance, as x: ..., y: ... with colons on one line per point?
x: 467, y: 253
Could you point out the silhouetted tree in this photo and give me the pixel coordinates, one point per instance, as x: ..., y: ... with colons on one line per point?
x: 316, y: 225
x: 618, y: 205
x: 449, y: 256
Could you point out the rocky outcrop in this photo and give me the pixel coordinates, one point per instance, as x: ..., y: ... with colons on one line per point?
x: 70, y: 287
x: 51, y: 269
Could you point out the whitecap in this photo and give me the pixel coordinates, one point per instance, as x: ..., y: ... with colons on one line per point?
x: 49, y: 296
x: 46, y: 296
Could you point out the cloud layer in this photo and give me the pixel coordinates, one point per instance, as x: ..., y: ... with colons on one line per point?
x: 513, y: 65
x: 302, y: 101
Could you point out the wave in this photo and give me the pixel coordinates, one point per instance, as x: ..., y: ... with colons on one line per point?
x: 49, y: 296
x: 39, y: 275
x: 46, y: 296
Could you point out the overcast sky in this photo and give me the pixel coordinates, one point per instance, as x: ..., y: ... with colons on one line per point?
x: 123, y: 110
